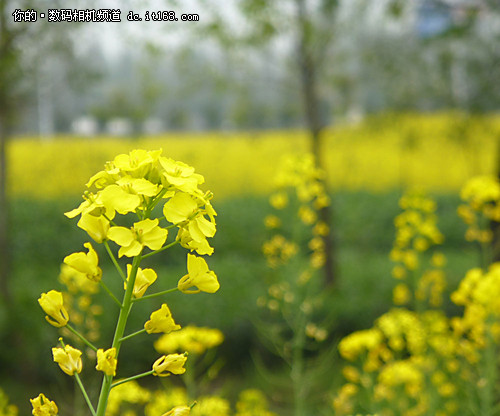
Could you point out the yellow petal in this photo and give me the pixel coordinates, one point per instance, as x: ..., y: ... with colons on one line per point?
x: 121, y: 236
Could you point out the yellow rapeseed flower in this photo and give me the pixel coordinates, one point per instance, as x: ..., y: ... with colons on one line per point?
x: 95, y: 226
x: 52, y: 305
x: 106, y: 361
x: 86, y: 263
x: 69, y: 359
x: 143, y: 279
x: 161, y: 321
x: 199, y: 276
x: 145, y: 233
x: 184, y: 209
x: 43, y: 406
x: 169, y: 364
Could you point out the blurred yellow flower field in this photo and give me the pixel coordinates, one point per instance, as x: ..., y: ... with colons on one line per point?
x: 435, y: 152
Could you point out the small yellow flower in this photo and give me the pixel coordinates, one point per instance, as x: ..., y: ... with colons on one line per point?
x: 161, y: 321
x: 133, y: 240
x: 96, y: 227
x: 52, y: 305
x: 106, y: 361
x: 68, y: 358
x: 182, y: 207
x: 279, y: 200
x: 179, y: 411
x: 144, y: 279
x: 43, y: 406
x: 272, y: 221
x: 179, y: 175
x: 198, y: 275
x: 171, y: 363
x: 85, y: 263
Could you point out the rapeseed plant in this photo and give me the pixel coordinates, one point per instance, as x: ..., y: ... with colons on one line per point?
x: 294, y: 298
x: 131, y: 186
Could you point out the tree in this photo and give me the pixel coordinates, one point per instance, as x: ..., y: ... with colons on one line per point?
x: 305, y: 27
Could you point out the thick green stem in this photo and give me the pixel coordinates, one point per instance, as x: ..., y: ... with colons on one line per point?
x: 119, y: 331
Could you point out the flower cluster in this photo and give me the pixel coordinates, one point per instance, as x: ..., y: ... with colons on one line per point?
x: 481, y: 195
x: 299, y: 185
x: 416, y: 233
x: 401, y: 363
x: 423, y: 362
x: 479, y: 294
x: 134, y: 202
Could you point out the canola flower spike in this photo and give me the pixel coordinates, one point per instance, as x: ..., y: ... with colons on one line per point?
x: 143, y: 279
x: 69, y: 359
x: 133, y: 183
x: 52, y: 305
x: 161, y: 321
x: 106, y: 361
x: 170, y: 364
x: 86, y: 263
x: 199, y: 276
x: 42, y: 406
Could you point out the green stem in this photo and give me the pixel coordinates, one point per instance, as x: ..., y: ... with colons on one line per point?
x: 115, y: 262
x: 80, y: 384
x: 141, y: 331
x: 155, y: 201
x: 297, y: 371
x: 147, y: 373
x: 88, y: 343
x: 154, y: 295
x: 161, y: 249
x: 110, y: 220
x: 120, y: 329
x: 106, y: 288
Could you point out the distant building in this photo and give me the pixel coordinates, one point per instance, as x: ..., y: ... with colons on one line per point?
x: 119, y: 127
x: 85, y: 126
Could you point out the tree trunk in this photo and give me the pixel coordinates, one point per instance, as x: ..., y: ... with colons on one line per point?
x: 308, y: 69
x: 495, y: 225
x: 5, y: 251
